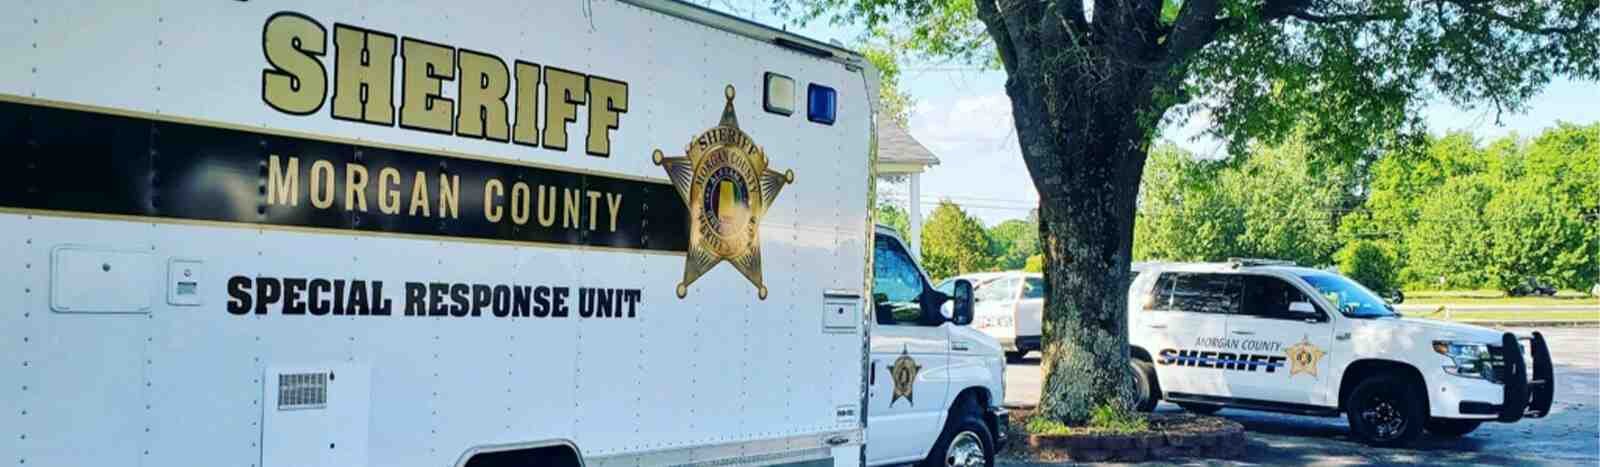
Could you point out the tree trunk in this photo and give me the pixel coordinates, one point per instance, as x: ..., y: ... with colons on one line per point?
x: 1087, y: 154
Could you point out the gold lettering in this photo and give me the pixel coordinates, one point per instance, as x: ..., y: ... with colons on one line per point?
x: 283, y: 183
x: 527, y: 131
x: 297, y: 82
x: 564, y: 91
x: 547, y: 205
x: 610, y: 102
x: 422, y: 105
x: 484, y: 85
x: 389, y: 198
x: 571, y: 199
x: 322, y: 184
x: 615, y: 201
x: 419, y: 195
x: 449, y: 196
x: 363, y: 75
x: 355, y: 187
x: 492, y: 189
x: 519, y: 203
x: 594, y: 207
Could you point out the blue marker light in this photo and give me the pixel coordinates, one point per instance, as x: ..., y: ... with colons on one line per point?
x: 821, y: 103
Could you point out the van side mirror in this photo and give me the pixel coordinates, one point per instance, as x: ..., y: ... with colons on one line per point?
x: 961, y: 301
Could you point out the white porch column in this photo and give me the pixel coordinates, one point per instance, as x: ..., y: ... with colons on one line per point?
x: 916, y: 215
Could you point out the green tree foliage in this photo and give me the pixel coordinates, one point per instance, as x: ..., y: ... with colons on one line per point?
x: 954, y: 243
x: 1467, y: 215
x: 896, y: 218
x: 894, y: 104
x: 1090, y: 84
x: 1270, y: 205
x: 1369, y: 263
x: 1012, y: 243
x: 1035, y: 264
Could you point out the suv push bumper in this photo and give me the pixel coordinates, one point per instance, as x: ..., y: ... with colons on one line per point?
x: 1000, y: 421
x: 1525, y: 396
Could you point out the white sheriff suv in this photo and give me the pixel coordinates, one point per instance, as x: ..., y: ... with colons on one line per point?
x: 1266, y: 335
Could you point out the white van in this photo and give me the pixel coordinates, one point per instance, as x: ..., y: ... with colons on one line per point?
x: 488, y: 233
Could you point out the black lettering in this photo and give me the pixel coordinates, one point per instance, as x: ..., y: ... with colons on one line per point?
x: 521, y: 300
x: 585, y: 302
x: 1274, y: 362
x: 292, y: 304
x: 558, y: 302
x: 458, y: 294
x: 541, y: 302
x: 1205, y: 360
x: 268, y: 291
x: 480, y: 299
x: 501, y: 301
x: 385, y: 306
x: 633, y: 300
x: 358, y: 299
x: 414, y: 300
x: 1167, y: 356
x: 436, y: 293
x: 606, y: 299
x: 1188, y: 357
x: 319, y: 304
x: 1225, y: 360
x: 239, y: 295
x: 338, y: 297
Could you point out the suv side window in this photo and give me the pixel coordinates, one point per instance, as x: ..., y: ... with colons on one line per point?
x: 1032, y: 288
x: 896, y: 284
x: 1269, y: 297
x: 1197, y: 292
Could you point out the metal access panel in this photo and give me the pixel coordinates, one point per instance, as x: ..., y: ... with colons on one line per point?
x: 97, y: 279
x: 315, y: 416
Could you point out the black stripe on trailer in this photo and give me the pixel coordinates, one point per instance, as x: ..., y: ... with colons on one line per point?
x: 66, y: 159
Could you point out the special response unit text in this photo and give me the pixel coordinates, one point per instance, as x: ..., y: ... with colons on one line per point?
x: 341, y: 297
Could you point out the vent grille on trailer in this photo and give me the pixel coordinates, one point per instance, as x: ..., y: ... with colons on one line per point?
x: 299, y: 391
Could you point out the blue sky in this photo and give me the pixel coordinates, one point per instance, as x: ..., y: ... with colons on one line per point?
x: 964, y: 117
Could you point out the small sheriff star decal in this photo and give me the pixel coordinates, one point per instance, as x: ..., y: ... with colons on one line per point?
x: 1303, y: 357
x: 724, y: 180
x: 904, y: 372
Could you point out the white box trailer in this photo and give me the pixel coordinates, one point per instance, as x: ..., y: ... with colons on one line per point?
x: 309, y: 233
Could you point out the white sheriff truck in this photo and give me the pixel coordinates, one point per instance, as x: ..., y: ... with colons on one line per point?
x: 1266, y: 335
x: 296, y: 233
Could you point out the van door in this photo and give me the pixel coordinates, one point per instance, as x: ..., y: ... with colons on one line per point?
x: 1280, y: 325
x: 909, y: 378
x: 1187, y: 322
x: 1030, y: 313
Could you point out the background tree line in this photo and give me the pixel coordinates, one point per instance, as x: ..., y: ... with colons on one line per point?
x: 1460, y: 212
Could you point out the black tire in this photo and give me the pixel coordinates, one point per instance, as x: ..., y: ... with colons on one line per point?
x: 965, y: 425
x: 1146, y: 389
x: 1452, y: 428
x: 1202, y: 409
x: 1386, y: 411
x: 1015, y: 357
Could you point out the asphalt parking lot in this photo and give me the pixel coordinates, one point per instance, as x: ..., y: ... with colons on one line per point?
x: 1569, y: 436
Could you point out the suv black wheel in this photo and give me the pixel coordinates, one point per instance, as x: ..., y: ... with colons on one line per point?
x: 966, y: 441
x: 1146, y: 389
x: 1452, y: 428
x: 1386, y: 411
x: 1015, y: 357
x: 1202, y: 409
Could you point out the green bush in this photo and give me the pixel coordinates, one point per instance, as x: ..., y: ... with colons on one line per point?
x: 1035, y: 263
x: 1369, y: 263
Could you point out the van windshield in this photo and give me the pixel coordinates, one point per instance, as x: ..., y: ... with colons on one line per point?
x: 1348, y: 296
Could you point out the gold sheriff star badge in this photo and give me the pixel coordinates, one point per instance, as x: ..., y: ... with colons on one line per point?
x: 724, y: 180
x: 1303, y: 357
x: 904, y: 373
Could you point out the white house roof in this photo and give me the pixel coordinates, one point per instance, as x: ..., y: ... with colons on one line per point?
x: 896, y: 147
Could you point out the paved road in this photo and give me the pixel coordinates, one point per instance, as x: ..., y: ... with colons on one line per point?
x: 1569, y: 436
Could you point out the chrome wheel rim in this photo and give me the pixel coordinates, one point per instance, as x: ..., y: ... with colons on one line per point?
x: 965, y: 450
x: 1385, y: 419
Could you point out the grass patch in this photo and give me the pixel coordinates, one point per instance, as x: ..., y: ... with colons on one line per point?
x: 1105, y: 420
x: 1501, y: 300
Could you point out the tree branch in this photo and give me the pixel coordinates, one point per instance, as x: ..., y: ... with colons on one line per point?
x: 1514, y: 23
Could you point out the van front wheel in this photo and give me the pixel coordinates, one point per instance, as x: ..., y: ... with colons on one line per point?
x: 964, y: 443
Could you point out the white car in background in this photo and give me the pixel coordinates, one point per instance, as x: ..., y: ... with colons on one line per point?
x: 1008, y: 306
